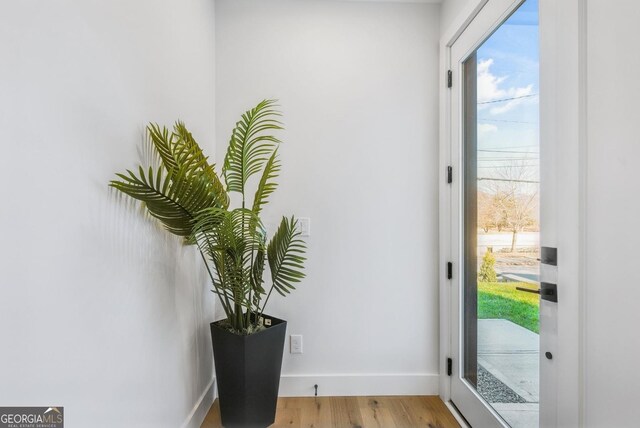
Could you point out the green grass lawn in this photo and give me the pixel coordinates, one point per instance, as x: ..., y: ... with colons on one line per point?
x: 501, y: 300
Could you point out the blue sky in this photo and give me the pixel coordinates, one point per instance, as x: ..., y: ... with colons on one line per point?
x: 508, y: 68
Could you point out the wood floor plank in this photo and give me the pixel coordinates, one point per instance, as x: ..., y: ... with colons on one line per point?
x: 212, y: 420
x: 316, y: 412
x: 401, y: 411
x: 345, y: 412
x: 423, y: 412
x: 287, y: 417
x: 444, y: 418
x: 374, y: 414
x: 355, y: 412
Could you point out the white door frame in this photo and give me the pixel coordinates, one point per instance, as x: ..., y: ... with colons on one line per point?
x: 563, y: 79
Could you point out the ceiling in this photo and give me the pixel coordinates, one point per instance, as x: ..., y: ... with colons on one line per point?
x: 400, y: 1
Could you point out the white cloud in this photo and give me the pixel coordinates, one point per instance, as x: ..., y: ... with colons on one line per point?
x: 484, y: 128
x: 489, y: 89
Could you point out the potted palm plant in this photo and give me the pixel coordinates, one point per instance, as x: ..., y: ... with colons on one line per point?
x: 184, y: 192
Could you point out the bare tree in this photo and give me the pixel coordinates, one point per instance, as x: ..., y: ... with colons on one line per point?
x: 515, y: 193
x: 518, y: 214
x: 490, y: 215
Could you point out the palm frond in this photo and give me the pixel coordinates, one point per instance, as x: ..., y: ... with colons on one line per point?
x: 162, y: 141
x: 250, y: 144
x: 256, y: 273
x: 233, y: 241
x: 237, y: 233
x: 173, y: 198
x: 285, y: 253
x: 179, y: 151
x: 189, y: 155
x: 267, y: 186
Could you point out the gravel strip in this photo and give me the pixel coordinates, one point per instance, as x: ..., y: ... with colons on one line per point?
x: 493, y: 390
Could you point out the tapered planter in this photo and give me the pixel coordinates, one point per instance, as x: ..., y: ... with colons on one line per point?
x: 248, y: 374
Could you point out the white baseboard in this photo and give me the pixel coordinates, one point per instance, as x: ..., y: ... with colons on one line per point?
x: 202, y: 406
x: 337, y: 385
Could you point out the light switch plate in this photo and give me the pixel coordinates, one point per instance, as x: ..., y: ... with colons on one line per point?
x: 305, y: 226
x: 296, y: 344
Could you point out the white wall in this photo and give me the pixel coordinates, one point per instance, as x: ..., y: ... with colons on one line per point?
x: 612, y: 278
x: 358, y: 85
x: 102, y: 312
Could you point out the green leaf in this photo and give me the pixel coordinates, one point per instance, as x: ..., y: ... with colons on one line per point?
x: 184, y: 185
x: 285, y: 253
x: 190, y: 156
x: 180, y: 152
x: 233, y: 241
x: 267, y: 186
x: 174, y: 198
x: 257, y: 270
x: 163, y: 144
x: 250, y: 145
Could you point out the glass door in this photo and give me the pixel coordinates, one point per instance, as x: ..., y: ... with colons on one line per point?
x: 495, y: 136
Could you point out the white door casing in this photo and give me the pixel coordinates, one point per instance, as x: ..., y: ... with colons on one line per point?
x: 465, y: 397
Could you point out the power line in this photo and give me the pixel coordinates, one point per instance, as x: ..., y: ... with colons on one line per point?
x: 508, y: 99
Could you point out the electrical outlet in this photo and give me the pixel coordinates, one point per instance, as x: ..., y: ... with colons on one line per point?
x: 296, y: 344
x: 264, y: 321
x: 305, y: 226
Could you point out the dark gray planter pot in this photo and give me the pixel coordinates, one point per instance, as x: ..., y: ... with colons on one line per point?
x: 248, y: 374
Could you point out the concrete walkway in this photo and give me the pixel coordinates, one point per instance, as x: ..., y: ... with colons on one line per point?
x: 511, y: 354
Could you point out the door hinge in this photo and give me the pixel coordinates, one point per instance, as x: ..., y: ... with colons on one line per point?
x: 449, y: 174
x: 449, y: 78
x: 449, y: 366
x: 449, y: 270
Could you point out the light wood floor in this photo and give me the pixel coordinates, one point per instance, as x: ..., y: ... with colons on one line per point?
x: 355, y: 412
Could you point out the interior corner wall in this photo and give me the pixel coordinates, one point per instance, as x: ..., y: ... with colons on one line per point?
x: 102, y: 311
x: 358, y: 85
x: 450, y: 11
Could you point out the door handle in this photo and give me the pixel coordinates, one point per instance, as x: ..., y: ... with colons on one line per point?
x: 547, y: 291
x: 528, y: 290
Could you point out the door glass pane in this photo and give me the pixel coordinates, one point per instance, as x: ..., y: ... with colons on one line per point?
x: 501, y: 218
